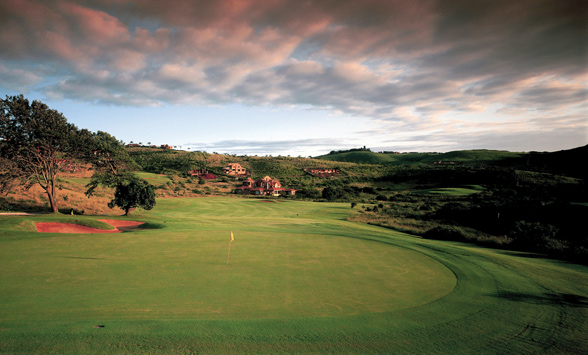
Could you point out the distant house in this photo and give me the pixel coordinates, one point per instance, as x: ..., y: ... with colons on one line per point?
x: 202, y: 173
x: 234, y: 169
x: 323, y: 172
x: 165, y: 146
x: 264, y: 187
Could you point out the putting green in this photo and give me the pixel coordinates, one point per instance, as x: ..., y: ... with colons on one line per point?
x: 184, y: 272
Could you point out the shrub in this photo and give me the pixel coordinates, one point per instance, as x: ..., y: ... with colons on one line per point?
x: 536, y: 236
x: 446, y: 232
x: 369, y: 190
x: 309, y: 193
x: 338, y: 193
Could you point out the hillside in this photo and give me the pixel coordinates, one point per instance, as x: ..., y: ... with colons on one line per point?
x: 289, y: 170
x: 471, y: 157
x: 571, y: 162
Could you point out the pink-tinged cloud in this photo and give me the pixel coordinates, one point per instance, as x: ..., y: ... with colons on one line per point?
x: 95, y: 26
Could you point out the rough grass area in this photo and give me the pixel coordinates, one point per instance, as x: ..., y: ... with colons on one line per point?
x: 70, y: 196
x: 300, y: 279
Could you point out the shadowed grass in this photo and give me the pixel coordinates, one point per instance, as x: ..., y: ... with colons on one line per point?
x: 451, y: 191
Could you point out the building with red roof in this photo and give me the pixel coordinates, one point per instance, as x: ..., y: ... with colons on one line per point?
x: 234, y: 169
x: 264, y: 187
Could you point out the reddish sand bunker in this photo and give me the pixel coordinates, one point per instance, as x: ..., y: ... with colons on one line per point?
x: 53, y: 227
x: 117, y: 223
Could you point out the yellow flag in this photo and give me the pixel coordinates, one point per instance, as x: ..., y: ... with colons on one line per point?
x: 232, y: 238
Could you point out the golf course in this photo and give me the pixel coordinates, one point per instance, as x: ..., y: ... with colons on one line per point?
x: 297, y: 279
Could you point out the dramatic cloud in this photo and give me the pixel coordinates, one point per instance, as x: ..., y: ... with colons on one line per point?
x: 422, y: 65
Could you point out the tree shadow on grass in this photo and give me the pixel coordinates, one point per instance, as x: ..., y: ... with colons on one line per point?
x: 524, y: 254
x: 558, y: 299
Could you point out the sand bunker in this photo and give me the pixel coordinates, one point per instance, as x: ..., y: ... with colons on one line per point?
x: 116, y: 223
x: 53, y: 227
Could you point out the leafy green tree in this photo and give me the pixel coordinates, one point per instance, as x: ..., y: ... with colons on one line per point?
x: 133, y: 193
x: 334, y: 193
x: 37, y: 140
x: 111, y: 161
x: 8, y: 175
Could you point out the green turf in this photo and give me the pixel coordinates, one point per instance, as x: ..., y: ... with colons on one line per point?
x: 451, y: 191
x: 153, y: 179
x: 300, y: 280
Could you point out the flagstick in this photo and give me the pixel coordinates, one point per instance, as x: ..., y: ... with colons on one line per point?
x: 229, y: 256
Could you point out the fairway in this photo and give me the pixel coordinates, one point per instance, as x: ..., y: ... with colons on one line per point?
x: 299, y: 279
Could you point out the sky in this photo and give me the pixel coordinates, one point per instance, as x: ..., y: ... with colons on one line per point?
x: 302, y: 78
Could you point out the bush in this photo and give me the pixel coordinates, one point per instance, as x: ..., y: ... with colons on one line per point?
x: 381, y: 198
x: 369, y: 190
x: 5, y: 206
x: 536, y: 236
x: 338, y: 193
x: 446, y: 232
x: 308, y: 193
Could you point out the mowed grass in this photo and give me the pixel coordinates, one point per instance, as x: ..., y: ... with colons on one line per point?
x: 452, y: 191
x: 300, y: 279
x: 153, y: 179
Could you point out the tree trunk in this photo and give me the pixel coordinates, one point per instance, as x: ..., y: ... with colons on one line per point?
x: 51, y: 196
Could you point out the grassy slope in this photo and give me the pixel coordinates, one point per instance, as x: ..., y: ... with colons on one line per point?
x: 467, y: 156
x: 451, y: 191
x: 281, y: 168
x: 301, y: 279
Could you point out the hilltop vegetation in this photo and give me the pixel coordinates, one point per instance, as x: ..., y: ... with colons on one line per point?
x: 470, y: 157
